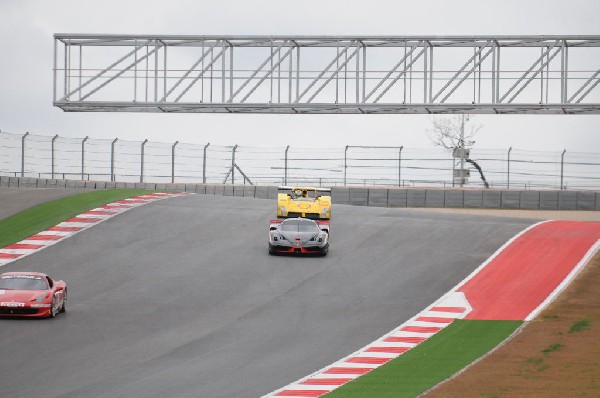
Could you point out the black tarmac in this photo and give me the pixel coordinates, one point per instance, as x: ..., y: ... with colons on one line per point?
x: 179, y: 298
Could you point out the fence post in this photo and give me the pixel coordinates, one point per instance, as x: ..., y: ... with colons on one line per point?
x: 345, y: 163
x: 112, y: 160
x: 508, y: 169
x: 400, y: 165
x: 286, y: 165
x: 23, y: 153
x: 233, y: 164
x: 83, y: 157
x: 52, y: 150
x: 142, y: 160
x: 562, y: 168
x: 204, y: 164
x: 173, y: 161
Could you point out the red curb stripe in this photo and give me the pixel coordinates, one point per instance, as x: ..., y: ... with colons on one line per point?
x: 458, y: 310
x: 326, y: 382
x: 113, y: 207
x: 435, y: 319
x: 368, y: 360
x: 130, y: 201
x: 301, y: 393
x: 526, y: 272
x: 65, y: 229
x: 84, y: 220
x: 391, y: 350
x: 347, y: 371
x: 413, y: 340
x: 421, y: 329
x: 44, y: 237
x: 10, y: 255
x: 23, y: 246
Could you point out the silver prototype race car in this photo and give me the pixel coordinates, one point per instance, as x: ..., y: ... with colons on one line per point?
x: 299, y: 235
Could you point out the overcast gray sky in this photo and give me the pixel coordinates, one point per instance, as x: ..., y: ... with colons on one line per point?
x: 27, y: 26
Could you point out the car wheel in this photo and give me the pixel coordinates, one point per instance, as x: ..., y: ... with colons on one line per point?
x: 63, y: 309
x: 52, y: 309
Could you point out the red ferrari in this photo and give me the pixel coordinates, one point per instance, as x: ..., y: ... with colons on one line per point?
x: 31, y: 294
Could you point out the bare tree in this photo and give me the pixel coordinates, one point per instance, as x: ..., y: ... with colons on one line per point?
x: 453, y: 131
x: 454, y: 134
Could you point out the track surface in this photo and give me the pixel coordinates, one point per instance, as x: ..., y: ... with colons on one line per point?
x: 179, y: 298
x: 14, y: 200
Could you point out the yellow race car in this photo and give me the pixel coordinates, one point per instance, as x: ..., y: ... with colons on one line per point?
x: 304, y: 202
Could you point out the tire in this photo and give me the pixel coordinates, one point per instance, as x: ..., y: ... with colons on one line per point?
x: 63, y: 309
x: 52, y: 309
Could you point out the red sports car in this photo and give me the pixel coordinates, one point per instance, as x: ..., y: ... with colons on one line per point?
x: 31, y: 294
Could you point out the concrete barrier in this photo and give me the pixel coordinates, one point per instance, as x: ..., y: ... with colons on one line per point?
x: 360, y: 196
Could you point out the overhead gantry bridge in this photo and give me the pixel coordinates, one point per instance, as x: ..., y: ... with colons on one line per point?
x: 327, y: 74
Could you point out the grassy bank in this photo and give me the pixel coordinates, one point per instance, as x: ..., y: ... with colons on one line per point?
x: 46, y: 215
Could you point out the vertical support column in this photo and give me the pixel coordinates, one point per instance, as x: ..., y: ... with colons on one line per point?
x: 233, y: 164
x: 430, y: 72
x: 173, y: 161
x: 204, y: 164
x: 497, y: 75
x: 142, y: 160
x: 112, y: 159
x: 55, y: 70
x: 345, y: 163
x: 223, y: 59
x: 285, y: 175
x: 52, y: 154
x: 230, y: 71
x: 400, y: 166
x: 364, y: 73
x: 291, y: 60
x: 297, y: 73
x: 164, y: 70
x: 494, y: 49
x: 81, y: 67
x: 357, y: 72
x: 83, y: 157
x: 23, y: 153
x: 155, y: 70
x: 562, y: 169
x: 508, y: 169
x: 425, y: 74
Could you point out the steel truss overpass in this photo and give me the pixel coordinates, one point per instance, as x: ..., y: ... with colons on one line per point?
x: 327, y: 74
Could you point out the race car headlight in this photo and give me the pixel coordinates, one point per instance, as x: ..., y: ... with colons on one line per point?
x: 324, y: 211
x: 282, y: 210
x: 275, y: 238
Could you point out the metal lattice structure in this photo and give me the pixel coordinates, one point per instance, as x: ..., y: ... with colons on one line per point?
x: 327, y: 74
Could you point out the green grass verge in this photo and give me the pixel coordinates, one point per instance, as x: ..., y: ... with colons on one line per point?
x: 38, y: 218
x: 431, y: 362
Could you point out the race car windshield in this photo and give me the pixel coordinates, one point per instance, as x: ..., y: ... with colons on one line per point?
x: 298, y: 226
x: 22, y: 283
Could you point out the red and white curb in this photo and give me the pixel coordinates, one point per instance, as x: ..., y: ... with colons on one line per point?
x: 408, y: 335
x: 75, y: 225
x: 453, y: 305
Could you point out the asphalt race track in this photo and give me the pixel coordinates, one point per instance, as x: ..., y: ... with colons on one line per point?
x: 179, y: 298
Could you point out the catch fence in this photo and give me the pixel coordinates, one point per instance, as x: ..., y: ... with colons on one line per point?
x: 29, y: 155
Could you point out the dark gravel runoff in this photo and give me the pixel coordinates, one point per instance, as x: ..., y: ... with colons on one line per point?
x: 179, y: 298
